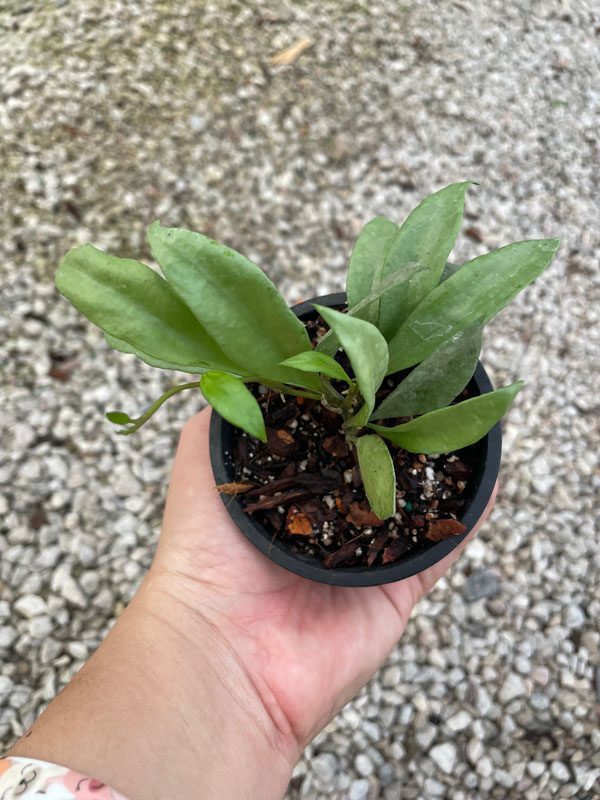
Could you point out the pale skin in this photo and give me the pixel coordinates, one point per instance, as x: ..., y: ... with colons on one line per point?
x: 224, y: 666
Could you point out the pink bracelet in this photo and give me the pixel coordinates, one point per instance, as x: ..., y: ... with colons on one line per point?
x: 27, y: 778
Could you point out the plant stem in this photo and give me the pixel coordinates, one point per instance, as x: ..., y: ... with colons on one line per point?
x: 137, y: 423
x: 349, y: 400
x: 332, y: 397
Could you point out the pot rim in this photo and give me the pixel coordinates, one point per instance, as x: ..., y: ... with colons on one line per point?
x: 410, y: 563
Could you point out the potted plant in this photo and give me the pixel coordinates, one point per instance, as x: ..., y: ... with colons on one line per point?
x: 355, y: 438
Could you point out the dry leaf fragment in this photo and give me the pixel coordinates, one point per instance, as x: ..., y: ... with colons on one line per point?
x: 61, y: 369
x: 335, y: 446
x: 298, y: 522
x: 340, y: 505
x: 284, y: 436
x: 444, y: 528
x: 360, y: 515
x: 280, y: 442
x: 235, y: 488
x: 38, y: 518
x: 474, y: 233
x: 290, y: 54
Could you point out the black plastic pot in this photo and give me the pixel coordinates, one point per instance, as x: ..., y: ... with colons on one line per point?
x: 484, y: 455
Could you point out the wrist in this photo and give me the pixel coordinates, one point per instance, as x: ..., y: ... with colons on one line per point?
x: 165, y: 709
x: 240, y: 724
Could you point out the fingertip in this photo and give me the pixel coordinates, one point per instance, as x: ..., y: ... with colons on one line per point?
x: 196, y: 425
x: 489, y: 507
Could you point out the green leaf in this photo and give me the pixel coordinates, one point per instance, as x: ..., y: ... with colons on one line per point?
x: 232, y: 399
x: 118, y: 417
x: 313, y: 361
x: 435, y: 382
x: 426, y: 237
x: 454, y: 427
x: 415, y: 273
x: 367, y: 263
x: 234, y: 300
x: 377, y: 472
x: 135, y: 306
x: 365, y: 347
x: 123, y: 347
x: 476, y: 292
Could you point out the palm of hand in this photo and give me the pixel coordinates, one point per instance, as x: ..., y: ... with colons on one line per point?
x: 306, y: 647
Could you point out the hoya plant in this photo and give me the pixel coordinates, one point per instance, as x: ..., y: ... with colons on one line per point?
x: 216, y: 315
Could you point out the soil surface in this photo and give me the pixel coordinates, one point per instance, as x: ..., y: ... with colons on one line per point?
x: 304, y: 484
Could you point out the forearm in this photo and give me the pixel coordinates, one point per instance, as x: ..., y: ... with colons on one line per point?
x: 163, y: 709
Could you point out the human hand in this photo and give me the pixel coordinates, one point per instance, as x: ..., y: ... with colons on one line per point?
x: 254, y: 660
x: 307, y: 647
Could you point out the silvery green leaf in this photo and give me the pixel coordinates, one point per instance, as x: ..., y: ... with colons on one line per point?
x: 378, y: 476
x: 411, y: 278
x: 476, y: 292
x: 365, y: 347
x: 138, y: 309
x: 197, y: 369
x: 313, y: 361
x: 453, y: 427
x: 437, y: 380
x: 367, y: 264
x: 426, y: 237
x: 233, y: 299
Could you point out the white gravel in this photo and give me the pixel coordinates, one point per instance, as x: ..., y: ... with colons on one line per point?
x: 113, y: 114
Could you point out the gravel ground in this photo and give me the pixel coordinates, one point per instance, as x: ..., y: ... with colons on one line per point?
x: 113, y: 114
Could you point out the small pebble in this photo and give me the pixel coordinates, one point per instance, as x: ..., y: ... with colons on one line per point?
x: 363, y: 765
x: 444, y: 755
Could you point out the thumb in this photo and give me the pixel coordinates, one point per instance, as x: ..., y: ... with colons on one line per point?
x: 193, y: 503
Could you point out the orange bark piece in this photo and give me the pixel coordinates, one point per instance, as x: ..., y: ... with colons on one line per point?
x: 298, y: 522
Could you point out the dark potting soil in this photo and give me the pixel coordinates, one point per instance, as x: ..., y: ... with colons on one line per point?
x: 304, y: 484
